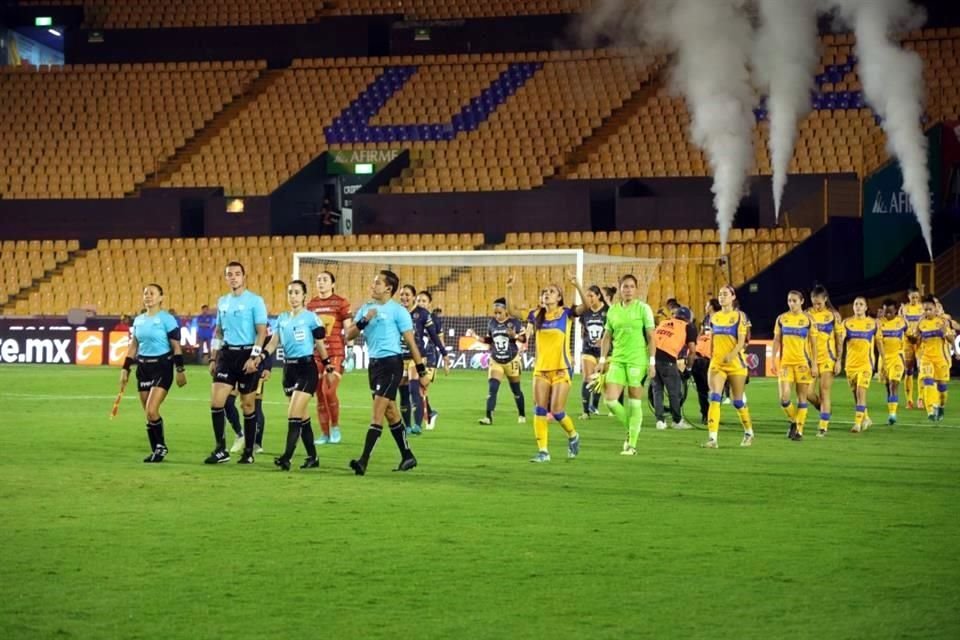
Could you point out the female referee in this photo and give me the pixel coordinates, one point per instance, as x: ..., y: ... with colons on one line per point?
x: 299, y: 333
x: 155, y: 347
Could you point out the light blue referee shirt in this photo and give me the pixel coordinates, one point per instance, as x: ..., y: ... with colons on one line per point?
x: 296, y: 333
x: 384, y: 334
x: 151, y: 333
x: 238, y: 317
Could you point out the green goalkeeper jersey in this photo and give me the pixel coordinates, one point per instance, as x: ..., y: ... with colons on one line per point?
x: 627, y: 327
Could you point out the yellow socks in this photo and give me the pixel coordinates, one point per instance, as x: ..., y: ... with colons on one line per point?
x: 540, y: 428
x: 744, y: 412
x: 789, y: 410
x: 801, y: 417
x: 566, y: 422
x: 713, y: 415
x: 858, y: 417
x: 908, y: 388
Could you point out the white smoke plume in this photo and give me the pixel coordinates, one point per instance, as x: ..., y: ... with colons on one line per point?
x: 784, y: 63
x: 893, y: 85
x: 713, y: 42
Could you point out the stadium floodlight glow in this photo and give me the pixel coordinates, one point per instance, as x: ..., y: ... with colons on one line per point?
x: 363, y: 169
x: 55, y: 32
x: 43, y: 21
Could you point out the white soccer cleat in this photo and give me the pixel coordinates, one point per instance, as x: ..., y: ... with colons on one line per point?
x: 661, y: 425
x: 628, y: 450
x: 238, y: 444
x: 747, y: 440
x: 855, y: 429
x: 683, y: 425
x: 867, y: 423
x: 258, y: 449
x: 484, y: 421
x: 710, y: 444
x: 521, y: 419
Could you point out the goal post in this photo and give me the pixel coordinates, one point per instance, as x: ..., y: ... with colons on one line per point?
x: 465, y: 283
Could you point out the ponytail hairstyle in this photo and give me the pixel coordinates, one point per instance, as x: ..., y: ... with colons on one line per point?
x: 597, y: 292
x: 542, y: 313
x: 821, y: 290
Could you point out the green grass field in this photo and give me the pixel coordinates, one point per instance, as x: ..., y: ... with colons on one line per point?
x: 847, y: 537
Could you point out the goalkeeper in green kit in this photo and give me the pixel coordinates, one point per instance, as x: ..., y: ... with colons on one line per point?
x: 630, y: 326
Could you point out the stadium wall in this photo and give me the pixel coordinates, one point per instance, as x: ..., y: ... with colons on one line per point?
x: 485, y: 35
x: 278, y: 44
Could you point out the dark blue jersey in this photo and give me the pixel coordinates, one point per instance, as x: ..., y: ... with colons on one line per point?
x: 424, y: 333
x: 502, y: 335
x: 591, y: 326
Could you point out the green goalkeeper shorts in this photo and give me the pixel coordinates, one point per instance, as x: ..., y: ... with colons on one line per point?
x: 627, y: 374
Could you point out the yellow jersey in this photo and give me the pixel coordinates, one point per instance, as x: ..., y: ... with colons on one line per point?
x: 912, y: 313
x: 553, y: 340
x: 934, y: 334
x: 826, y: 327
x: 860, y: 337
x: 795, y: 331
x: 893, y: 338
x: 727, y: 327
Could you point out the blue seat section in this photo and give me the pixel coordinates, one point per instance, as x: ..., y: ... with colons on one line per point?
x: 353, y: 123
x: 827, y: 100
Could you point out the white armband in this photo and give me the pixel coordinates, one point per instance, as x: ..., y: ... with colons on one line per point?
x: 215, y: 344
x: 256, y: 351
x: 653, y: 361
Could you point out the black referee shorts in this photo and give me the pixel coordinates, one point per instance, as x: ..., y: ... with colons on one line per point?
x: 155, y: 372
x: 229, y: 370
x: 300, y: 375
x: 385, y: 375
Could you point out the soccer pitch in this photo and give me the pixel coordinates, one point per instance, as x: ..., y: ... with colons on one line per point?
x: 847, y: 537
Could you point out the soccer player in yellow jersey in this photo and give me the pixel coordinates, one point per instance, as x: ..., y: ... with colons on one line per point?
x: 794, y: 352
x: 553, y: 369
x: 827, y: 326
x: 860, y: 344
x: 934, y: 335
x: 893, y: 334
x: 912, y: 312
x: 729, y: 330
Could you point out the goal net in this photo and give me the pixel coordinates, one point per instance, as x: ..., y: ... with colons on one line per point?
x: 464, y: 285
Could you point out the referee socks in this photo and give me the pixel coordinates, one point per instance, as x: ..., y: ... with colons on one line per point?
x: 400, y: 436
x: 219, y: 422
x: 373, y: 434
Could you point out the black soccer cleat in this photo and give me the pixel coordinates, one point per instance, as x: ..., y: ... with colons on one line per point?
x: 282, y: 463
x: 406, y: 464
x: 358, y: 467
x: 158, y: 454
x: 246, y: 458
x: 796, y: 436
x: 219, y: 456
x: 792, y: 431
x: 310, y: 462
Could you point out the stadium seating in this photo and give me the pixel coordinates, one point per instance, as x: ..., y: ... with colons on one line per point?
x: 670, y: 263
x: 23, y: 262
x: 472, y: 122
x: 96, y: 131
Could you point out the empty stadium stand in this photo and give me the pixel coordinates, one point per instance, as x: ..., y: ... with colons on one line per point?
x: 681, y: 263
x: 473, y: 122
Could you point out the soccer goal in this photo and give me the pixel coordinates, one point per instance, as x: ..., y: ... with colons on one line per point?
x: 464, y: 284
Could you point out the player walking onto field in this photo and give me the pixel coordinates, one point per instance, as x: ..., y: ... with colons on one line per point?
x: 860, y: 343
x: 155, y: 347
x: 434, y: 351
x: 592, y: 321
x: 333, y: 312
x: 630, y: 326
x: 794, y: 352
x: 827, y: 324
x: 300, y: 334
x: 893, y: 332
x: 552, y: 370
x: 912, y: 312
x: 385, y: 324
x: 933, y: 334
x: 236, y: 353
x: 503, y: 334
x: 729, y: 328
